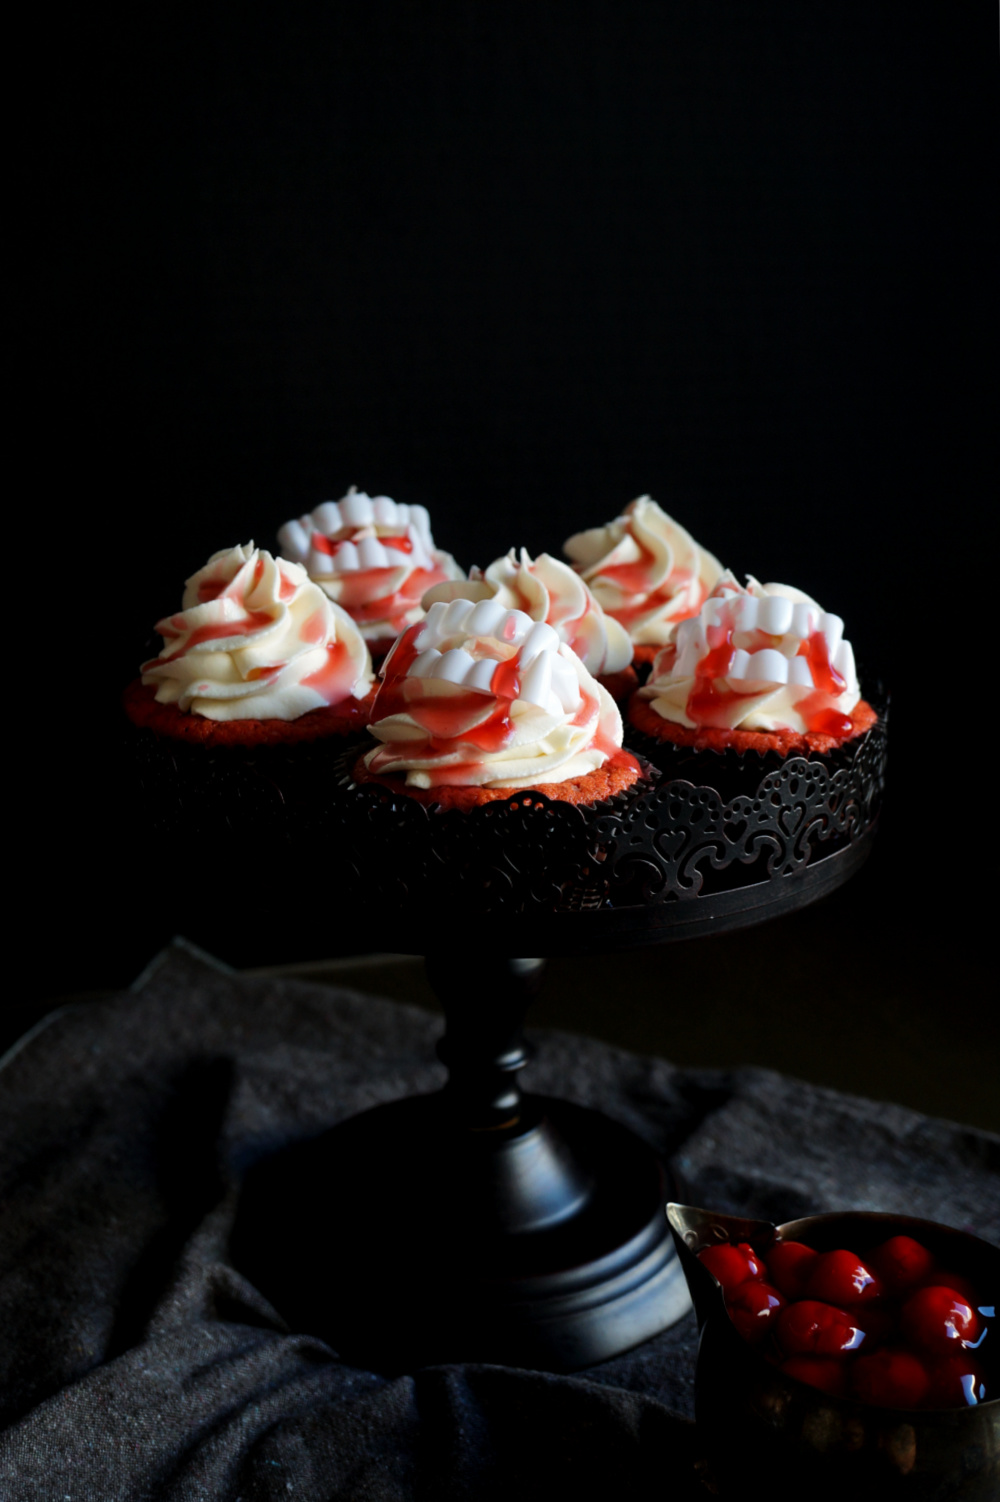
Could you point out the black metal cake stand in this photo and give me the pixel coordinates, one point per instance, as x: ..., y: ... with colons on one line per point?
x: 479, y: 1223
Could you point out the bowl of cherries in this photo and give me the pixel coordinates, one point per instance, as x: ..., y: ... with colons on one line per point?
x: 848, y: 1351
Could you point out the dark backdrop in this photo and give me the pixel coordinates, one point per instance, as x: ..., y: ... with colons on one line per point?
x: 518, y: 262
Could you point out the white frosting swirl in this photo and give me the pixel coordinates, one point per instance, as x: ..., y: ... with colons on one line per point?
x: 762, y: 658
x: 256, y: 640
x: 645, y: 570
x: 477, y: 695
x: 547, y: 590
x: 372, y: 556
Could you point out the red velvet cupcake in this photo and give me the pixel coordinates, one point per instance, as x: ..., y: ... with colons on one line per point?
x: 478, y: 701
x: 234, y: 727
x: 760, y: 669
x: 499, y: 783
x: 257, y: 655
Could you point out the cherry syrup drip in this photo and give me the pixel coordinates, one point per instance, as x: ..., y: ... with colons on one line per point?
x: 633, y: 579
x: 331, y: 546
x: 335, y: 678
x: 815, y: 711
x: 711, y: 700
x: 254, y: 620
x: 454, y: 720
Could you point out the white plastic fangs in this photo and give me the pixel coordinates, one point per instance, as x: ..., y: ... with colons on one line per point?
x: 545, y: 679
x: 771, y: 615
x: 335, y: 521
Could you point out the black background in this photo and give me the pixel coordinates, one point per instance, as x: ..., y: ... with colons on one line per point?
x: 519, y: 262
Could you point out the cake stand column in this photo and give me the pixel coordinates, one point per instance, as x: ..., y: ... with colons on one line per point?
x: 483, y: 1047
x: 516, y: 1170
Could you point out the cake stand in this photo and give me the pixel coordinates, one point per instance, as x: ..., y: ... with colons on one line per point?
x: 479, y: 1223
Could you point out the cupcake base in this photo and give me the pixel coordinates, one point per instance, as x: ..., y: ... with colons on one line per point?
x: 614, y: 777
x: 139, y: 701
x: 199, y: 784
x: 644, y: 717
x: 422, y: 853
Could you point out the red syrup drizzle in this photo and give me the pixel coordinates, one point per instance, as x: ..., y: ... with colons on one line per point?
x: 816, y: 713
x: 313, y: 629
x: 453, y: 721
x: 212, y: 588
x: 626, y: 615
x: 331, y: 546
x: 254, y: 620
x: 447, y: 718
x: 354, y: 588
x: 632, y: 579
x: 710, y: 700
x: 334, y: 679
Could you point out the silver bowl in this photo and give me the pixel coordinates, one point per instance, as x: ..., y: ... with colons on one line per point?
x: 759, y: 1426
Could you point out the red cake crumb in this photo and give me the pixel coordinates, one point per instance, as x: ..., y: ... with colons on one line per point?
x: 139, y: 701
x: 646, y: 652
x: 617, y: 774
x: 644, y: 717
x: 619, y: 685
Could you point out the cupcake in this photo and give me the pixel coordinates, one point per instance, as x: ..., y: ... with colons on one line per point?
x: 372, y: 557
x: 498, y: 783
x: 478, y: 701
x: 257, y: 654
x: 261, y: 680
x: 761, y: 669
x: 547, y: 590
x: 646, y: 572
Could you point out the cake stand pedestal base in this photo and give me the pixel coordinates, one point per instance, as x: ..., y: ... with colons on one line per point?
x: 474, y: 1224
x: 405, y: 1243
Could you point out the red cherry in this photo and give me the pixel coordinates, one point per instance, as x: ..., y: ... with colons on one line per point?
x: 752, y: 1309
x: 811, y: 1328
x: 890, y: 1379
x: 788, y: 1264
x: 956, y: 1283
x: 825, y: 1372
x: 754, y: 1261
x: 727, y: 1264
x: 901, y: 1263
x: 955, y: 1382
x: 938, y: 1319
x: 878, y: 1321
x: 841, y: 1278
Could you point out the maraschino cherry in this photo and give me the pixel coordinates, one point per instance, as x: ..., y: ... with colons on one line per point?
x: 892, y: 1328
x: 939, y: 1320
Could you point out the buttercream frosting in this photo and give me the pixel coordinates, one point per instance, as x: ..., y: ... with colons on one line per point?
x: 256, y: 639
x: 645, y: 570
x: 372, y: 556
x: 479, y: 695
x: 766, y: 657
x: 547, y: 590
